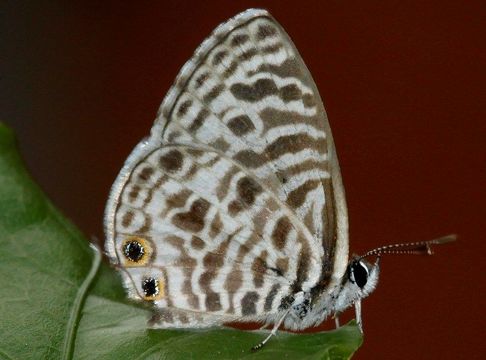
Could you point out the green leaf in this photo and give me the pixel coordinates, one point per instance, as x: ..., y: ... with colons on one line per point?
x: 57, y: 301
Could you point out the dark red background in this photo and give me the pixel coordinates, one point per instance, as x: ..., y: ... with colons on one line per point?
x: 403, y: 84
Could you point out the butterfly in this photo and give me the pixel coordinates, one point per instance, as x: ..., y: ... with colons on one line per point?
x: 233, y: 209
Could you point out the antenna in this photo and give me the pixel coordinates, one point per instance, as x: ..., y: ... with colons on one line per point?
x: 413, y: 248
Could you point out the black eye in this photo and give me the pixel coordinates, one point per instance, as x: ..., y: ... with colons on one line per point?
x: 360, y: 273
x: 133, y: 250
x: 150, y: 287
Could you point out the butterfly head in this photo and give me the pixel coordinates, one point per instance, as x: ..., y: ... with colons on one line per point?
x: 359, y: 281
x: 361, y: 275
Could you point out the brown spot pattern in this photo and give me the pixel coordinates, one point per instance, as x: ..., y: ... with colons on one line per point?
x: 193, y: 220
x: 259, y: 268
x: 248, y: 303
x: 197, y: 242
x: 270, y: 297
x: 265, y: 31
x: 280, y: 232
x: 213, y: 93
x: 248, y: 189
x: 241, y: 125
x: 199, y: 119
x: 171, y: 161
x: 133, y: 194
x: 183, y: 107
x: 127, y: 218
x: 297, y: 196
x: 178, y: 200
x: 219, y: 56
x: 239, y: 39
x: 145, y: 174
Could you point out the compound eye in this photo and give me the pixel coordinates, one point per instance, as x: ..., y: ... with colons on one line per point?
x: 359, y: 273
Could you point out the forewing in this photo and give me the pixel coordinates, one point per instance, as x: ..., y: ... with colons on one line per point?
x: 244, y: 200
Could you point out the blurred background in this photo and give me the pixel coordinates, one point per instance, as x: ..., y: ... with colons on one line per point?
x: 403, y: 85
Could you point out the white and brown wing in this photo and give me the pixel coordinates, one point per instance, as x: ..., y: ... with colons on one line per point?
x: 235, y: 202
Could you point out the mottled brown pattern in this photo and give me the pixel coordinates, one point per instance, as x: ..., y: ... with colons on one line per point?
x: 265, y: 31
x: 248, y: 189
x: 272, y: 118
x: 232, y: 283
x: 183, y: 318
x: 248, y: 303
x: 133, y: 194
x: 199, y: 119
x: 212, y: 262
x: 197, y: 242
x: 201, y: 79
x: 171, y: 161
x: 187, y: 265
x: 297, y: 196
x: 213, y: 302
x: 259, y: 268
x: 127, y: 218
x: 255, y: 92
x: 193, y: 220
x: 241, y: 125
x: 272, y: 49
x: 145, y: 174
x: 282, y: 265
x: 213, y: 93
x: 290, y: 93
x: 221, y: 144
x: 302, y: 268
x: 250, y: 159
x: 219, y: 57
x: 177, y: 200
x: 163, y: 315
x: 230, y: 69
x: 270, y: 297
x: 234, y: 207
x: 289, y: 68
x: 147, y: 225
x: 290, y: 144
x: 183, y: 107
x: 306, y: 165
x: 247, y: 55
x: 216, y: 226
x: 172, y: 136
x: 239, y: 39
x: 280, y: 232
x: 309, y: 101
x: 224, y: 184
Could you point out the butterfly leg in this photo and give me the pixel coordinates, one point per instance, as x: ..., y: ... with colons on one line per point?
x: 336, y: 320
x: 272, y: 333
x: 357, y: 309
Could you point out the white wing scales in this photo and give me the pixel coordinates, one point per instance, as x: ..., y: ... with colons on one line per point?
x: 232, y: 196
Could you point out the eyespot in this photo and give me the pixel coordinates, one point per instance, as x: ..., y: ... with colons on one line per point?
x: 136, y: 250
x: 152, y: 288
x: 358, y: 273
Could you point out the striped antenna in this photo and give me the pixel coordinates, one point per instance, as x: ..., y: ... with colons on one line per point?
x: 413, y: 248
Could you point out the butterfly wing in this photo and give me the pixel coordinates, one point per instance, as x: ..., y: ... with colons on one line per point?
x: 235, y: 201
